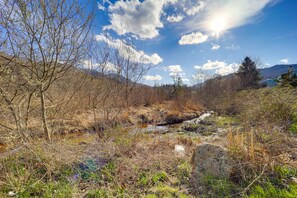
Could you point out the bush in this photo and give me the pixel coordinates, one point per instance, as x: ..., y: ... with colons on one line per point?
x: 265, y: 108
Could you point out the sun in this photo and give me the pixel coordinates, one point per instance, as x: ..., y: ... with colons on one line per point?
x: 218, y: 25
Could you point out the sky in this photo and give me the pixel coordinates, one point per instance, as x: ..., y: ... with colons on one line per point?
x: 197, y: 39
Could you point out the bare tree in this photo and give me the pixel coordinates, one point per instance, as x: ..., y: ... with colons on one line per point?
x: 105, y: 78
x: 132, y: 68
x: 48, y: 36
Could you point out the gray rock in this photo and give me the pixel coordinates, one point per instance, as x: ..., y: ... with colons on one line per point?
x: 206, y: 122
x: 210, y: 161
x: 173, y: 119
x: 201, y: 129
x: 191, y: 127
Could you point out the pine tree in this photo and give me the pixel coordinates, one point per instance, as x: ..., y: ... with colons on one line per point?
x: 178, y: 84
x: 248, y: 73
x: 289, y: 78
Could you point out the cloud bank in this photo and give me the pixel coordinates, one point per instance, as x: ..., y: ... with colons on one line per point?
x: 128, y: 51
x: 284, y: 61
x: 218, y: 67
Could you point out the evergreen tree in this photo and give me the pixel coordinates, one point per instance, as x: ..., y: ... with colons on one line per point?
x: 248, y: 73
x: 178, y: 84
x: 289, y: 78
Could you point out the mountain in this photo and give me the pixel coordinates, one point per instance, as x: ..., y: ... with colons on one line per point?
x: 275, y: 71
x: 268, y: 74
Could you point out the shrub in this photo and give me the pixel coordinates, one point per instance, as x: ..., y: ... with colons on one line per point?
x: 159, y: 177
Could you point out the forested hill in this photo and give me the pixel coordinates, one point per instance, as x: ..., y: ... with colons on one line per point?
x: 275, y: 71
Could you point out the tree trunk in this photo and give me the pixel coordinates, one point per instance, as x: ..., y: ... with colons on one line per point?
x: 127, y: 92
x: 44, y: 115
x: 15, y: 114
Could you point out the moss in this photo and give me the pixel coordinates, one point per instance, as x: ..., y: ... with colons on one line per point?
x: 159, y: 177
x: 268, y: 190
x: 151, y: 196
x: 97, y: 193
x: 183, y: 171
x: 165, y: 191
x: 225, y: 121
x: 37, y: 188
x: 50, y: 189
x: 143, y: 179
x: 114, y: 191
x: 277, y: 184
x: 183, y: 195
x: 218, y: 187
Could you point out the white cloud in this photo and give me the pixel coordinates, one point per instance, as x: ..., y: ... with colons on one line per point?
x: 193, y: 38
x: 201, y: 77
x: 215, y: 47
x: 218, y: 16
x: 191, y: 8
x: 219, y: 67
x: 102, y: 67
x: 142, y: 19
x: 128, y: 51
x: 284, y: 61
x: 185, y: 80
x: 175, y: 70
x: 197, y: 67
x: 153, y: 78
x: 175, y: 18
x: 227, y: 69
x: 213, y: 65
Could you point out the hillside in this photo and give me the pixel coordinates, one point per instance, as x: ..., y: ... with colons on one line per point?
x: 276, y: 70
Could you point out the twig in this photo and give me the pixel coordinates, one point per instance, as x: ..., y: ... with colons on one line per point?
x: 256, y: 179
x: 32, y: 184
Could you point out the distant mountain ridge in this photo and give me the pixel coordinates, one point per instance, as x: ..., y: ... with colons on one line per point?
x: 269, y: 74
x: 276, y: 70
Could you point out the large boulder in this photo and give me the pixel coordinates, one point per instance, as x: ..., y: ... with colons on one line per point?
x: 210, y: 161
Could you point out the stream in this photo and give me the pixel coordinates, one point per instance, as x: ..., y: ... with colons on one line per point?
x: 150, y: 128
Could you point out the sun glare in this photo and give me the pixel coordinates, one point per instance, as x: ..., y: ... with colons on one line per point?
x: 217, y: 25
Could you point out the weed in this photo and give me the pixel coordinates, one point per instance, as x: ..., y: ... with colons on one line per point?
x: 218, y: 187
x: 293, y: 126
x: 108, y: 172
x: 97, y: 193
x: 268, y: 190
x: 159, y: 177
x: 165, y: 191
x: 183, y: 171
x: 143, y: 179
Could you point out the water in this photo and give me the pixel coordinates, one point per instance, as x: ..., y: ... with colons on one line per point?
x: 200, y: 118
x: 149, y: 128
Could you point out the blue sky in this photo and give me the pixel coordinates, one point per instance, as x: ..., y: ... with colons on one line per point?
x: 196, y: 39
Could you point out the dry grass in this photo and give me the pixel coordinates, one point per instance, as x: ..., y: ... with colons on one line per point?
x: 133, y: 156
